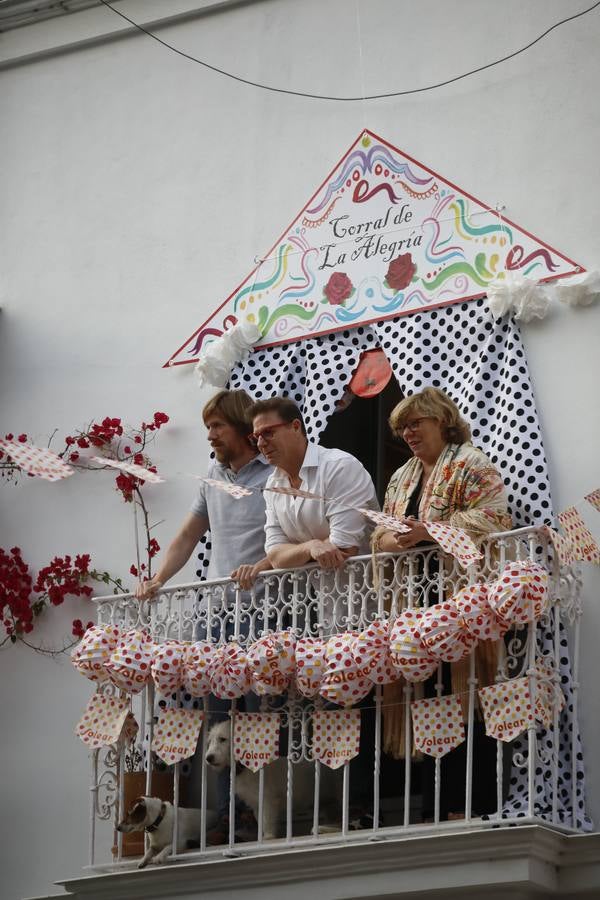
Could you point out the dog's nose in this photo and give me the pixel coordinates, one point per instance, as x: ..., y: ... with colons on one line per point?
x: 210, y: 758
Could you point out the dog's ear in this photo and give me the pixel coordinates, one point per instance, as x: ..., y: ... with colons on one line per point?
x: 137, y: 812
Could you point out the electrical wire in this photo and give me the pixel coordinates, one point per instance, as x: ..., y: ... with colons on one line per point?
x: 277, y: 90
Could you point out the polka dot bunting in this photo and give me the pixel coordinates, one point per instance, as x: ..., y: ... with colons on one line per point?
x: 176, y: 734
x: 93, y: 652
x: 454, y: 541
x: 582, y: 539
x: 129, y: 666
x: 345, y: 682
x: 271, y: 662
x: 408, y: 654
x: 195, y: 669
x: 594, y: 498
x: 371, y: 648
x: 520, y: 594
x: 506, y: 708
x: 131, y: 468
x: 310, y: 665
x: 256, y: 739
x: 102, y: 722
x: 228, y: 672
x: 336, y: 736
x: 37, y: 461
x: 437, y: 724
x: 379, y: 518
x: 476, y: 613
x: 167, y: 667
x: 564, y: 549
x: 445, y: 634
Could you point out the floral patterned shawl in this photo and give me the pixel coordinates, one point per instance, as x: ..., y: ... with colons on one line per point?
x: 465, y: 489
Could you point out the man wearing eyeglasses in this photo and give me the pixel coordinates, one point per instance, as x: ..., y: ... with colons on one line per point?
x: 303, y: 530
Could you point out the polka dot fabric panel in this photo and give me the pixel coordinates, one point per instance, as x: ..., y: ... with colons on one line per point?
x: 313, y: 373
x: 481, y: 364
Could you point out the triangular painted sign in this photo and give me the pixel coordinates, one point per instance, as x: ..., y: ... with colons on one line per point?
x: 383, y: 236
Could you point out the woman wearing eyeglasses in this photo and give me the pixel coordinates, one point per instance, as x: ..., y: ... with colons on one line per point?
x: 448, y: 480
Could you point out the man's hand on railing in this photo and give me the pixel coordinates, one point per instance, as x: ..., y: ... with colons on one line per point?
x: 246, y: 575
x: 148, y: 589
x: 328, y: 556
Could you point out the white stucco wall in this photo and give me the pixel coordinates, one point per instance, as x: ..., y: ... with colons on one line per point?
x: 136, y: 189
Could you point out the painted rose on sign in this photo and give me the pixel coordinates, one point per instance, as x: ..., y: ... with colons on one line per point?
x: 338, y: 289
x: 400, y: 272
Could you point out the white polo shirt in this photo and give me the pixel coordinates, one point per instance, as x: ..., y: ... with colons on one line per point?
x: 343, y: 481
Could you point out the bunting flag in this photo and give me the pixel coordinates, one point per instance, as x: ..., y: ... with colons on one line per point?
x: 454, y: 541
x: 234, y: 490
x: 37, y: 461
x: 594, y: 498
x: 563, y: 547
x: 548, y: 695
x: 256, y: 739
x: 176, y: 734
x: 131, y: 469
x: 336, y: 736
x: 438, y: 725
x: 506, y: 708
x: 103, y: 721
x: 582, y: 539
x: 379, y: 518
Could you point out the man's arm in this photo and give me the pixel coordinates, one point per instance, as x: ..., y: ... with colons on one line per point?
x: 324, y: 553
x: 178, y: 553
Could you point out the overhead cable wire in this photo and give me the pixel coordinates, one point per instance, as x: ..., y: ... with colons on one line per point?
x: 278, y: 90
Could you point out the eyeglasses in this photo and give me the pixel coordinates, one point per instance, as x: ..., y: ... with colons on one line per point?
x: 266, y: 434
x: 414, y: 425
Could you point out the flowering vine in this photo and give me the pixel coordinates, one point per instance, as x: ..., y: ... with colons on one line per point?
x: 22, y: 600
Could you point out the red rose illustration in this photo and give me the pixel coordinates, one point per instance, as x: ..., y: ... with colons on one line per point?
x: 338, y: 288
x: 400, y: 272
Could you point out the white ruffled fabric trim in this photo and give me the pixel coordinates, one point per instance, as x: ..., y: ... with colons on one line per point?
x: 579, y: 290
x: 527, y: 299
x: 234, y: 346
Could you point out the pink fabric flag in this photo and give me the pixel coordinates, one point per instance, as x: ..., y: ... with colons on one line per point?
x: 294, y: 492
x: 582, y: 539
x: 234, y: 490
x: 594, y: 498
x: 176, y: 734
x: 379, y: 518
x: 130, y: 468
x: 256, y: 739
x: 336, y: 736
x: 38, y: 461
x: 454, y: 541
x: 437, y: 724
x: 506, y: 708
x: 563, y: 547
x: 102, y: 722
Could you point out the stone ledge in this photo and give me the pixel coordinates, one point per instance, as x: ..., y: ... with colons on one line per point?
x: 528, y: 861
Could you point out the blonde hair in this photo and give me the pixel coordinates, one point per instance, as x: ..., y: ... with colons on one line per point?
x: 234, y: 406
x: 435, y: 404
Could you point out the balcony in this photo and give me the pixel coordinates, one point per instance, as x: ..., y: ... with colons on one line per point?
x: 402, y: 852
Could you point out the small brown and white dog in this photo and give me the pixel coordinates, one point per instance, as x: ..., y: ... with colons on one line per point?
x: 155, y: 817
x: 275, y: 785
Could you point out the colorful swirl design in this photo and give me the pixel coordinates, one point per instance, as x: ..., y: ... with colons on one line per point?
x: 468, y: 231
x: 277, y: 277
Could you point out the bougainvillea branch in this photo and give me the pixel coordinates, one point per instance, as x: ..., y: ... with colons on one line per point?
x: 21, y: 600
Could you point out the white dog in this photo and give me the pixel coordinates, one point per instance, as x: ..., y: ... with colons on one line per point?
x: 155, y: 817
x: 275, y: 784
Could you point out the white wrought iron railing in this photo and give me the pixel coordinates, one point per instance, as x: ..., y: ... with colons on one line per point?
x: 313, y: 602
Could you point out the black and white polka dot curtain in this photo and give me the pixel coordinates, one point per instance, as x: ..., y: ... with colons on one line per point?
x: 480, y: 363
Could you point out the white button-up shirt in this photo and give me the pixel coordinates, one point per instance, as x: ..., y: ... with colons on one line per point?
x: 343, y: 481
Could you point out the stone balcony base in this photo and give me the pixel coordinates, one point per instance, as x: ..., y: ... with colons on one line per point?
x: 528, y: 861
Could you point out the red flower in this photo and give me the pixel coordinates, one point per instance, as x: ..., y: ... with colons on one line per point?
x: 137, y: 439
x: 82, y: 442
x: 338, y: 288
x: 74, y: 457
x: 9, y: 437
x: 22, y: 438
x: 133, y: 571
x: 69, y: 441
x: 400, y: 272
x: 127, y: 450
x: 160, y: 418
x: 139, y: 459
